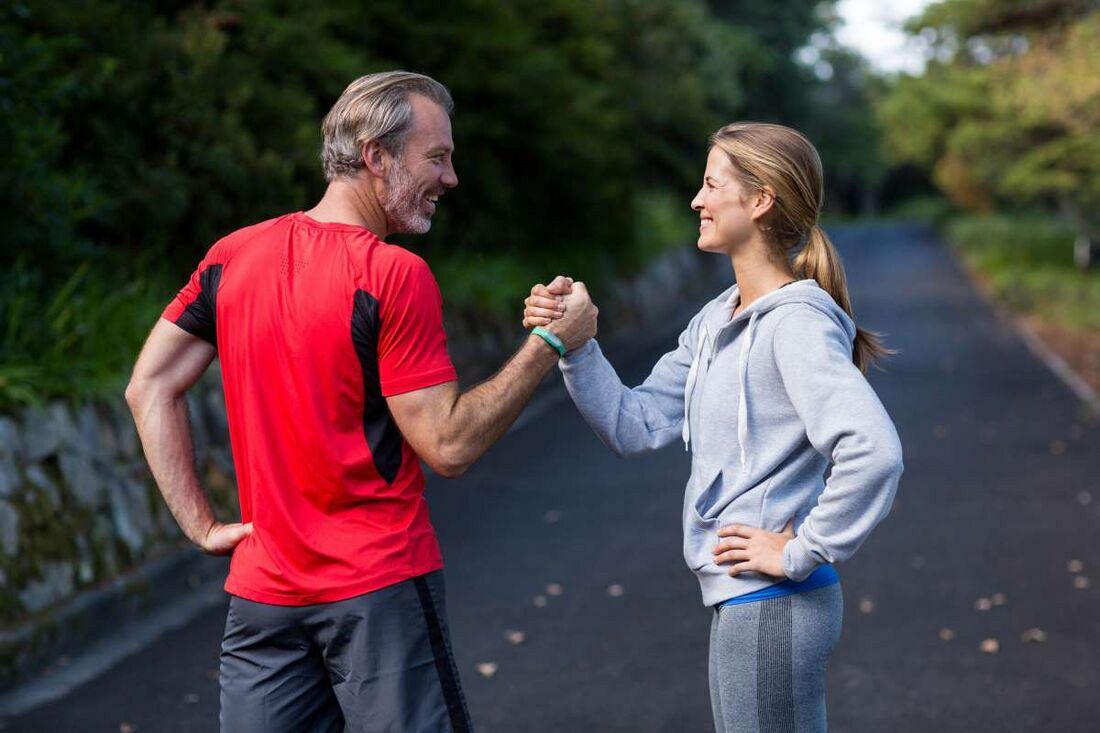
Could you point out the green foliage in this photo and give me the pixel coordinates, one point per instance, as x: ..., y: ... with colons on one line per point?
x: 135, y: 134
x: 1028, y: 262
x: 932, y: 210
x: 1011, y: 115
x: 80, y: 338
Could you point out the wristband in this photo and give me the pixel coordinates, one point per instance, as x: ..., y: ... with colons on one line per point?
x: 550, y: 338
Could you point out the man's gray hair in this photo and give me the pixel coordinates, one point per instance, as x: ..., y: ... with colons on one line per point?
x: 374, y: 107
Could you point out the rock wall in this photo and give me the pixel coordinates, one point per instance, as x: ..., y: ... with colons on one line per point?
x: 78, y: 507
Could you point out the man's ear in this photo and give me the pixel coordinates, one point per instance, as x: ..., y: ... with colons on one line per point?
x: 374, y: 157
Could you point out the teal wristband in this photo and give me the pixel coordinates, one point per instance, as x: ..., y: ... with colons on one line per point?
x: 550, y: 338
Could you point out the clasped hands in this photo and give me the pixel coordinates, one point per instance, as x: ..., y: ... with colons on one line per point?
x: 565, y: 308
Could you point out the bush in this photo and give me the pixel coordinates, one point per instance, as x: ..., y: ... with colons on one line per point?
x: 1027, y: 259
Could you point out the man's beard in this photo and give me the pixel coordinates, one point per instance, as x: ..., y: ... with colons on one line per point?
x: 402, y: 203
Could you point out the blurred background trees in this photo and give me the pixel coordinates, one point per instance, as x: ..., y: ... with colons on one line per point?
x: 134, y: 134
x: 1008, y: 109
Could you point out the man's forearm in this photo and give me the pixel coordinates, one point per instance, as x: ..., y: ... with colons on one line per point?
x: 482, y: 414
x: 165, y: 432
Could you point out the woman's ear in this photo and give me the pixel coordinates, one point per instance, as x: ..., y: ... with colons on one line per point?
x: 763, y: 202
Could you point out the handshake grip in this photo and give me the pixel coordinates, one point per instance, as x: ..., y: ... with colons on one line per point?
x: 564, y: 308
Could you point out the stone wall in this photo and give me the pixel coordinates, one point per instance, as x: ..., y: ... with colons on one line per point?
x: 79, y: 508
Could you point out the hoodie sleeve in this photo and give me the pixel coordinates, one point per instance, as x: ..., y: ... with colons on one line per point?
x: 845, y: 422
x: 627, y: 420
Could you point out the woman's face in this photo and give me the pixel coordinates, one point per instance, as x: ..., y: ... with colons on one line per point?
x: 725, y: 208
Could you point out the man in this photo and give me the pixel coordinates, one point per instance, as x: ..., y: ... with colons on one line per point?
x: 336, y: 379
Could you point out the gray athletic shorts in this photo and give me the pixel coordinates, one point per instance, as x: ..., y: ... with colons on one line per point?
x: 378, y: 662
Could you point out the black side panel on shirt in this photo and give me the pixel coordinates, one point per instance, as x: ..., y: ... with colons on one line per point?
x: 198, y: 318
x: 380, y: 430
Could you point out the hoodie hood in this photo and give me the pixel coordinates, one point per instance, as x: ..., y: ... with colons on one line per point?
x: 806, y: 292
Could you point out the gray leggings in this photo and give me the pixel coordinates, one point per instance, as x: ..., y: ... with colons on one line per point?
x: 768, y: 659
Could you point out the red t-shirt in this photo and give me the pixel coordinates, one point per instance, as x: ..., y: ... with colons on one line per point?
x: 315, y: 324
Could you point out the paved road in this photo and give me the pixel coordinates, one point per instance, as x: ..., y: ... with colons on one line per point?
x: 1001, y: 491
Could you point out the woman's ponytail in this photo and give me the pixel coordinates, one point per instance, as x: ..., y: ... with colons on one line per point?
x: 820, y: 260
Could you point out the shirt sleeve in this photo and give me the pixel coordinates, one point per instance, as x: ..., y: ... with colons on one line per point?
x: 845, y: 422
x: 194, y: 309
x: 412, y: 346
x: 631, y: 420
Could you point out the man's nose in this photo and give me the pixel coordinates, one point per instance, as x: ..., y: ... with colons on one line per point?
x: 450, y: 178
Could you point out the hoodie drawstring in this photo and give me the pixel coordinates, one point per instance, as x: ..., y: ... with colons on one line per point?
x: 693, y: 376
x: 743, y: 384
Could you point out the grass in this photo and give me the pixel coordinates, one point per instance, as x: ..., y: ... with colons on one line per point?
x: 76, y: 339
x: 1027, y: 262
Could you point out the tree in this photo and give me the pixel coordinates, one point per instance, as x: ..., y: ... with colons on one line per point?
x: 1008, y: 112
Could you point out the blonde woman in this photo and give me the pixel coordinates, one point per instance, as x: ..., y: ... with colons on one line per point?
x: 794, y: 459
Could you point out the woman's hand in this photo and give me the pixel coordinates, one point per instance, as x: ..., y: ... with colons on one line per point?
x: 753, y: 550
x: 545, y: 304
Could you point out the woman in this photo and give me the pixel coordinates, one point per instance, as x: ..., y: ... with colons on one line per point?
x: 794, y: 459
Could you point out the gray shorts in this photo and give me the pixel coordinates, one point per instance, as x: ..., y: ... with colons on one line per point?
x: 378, y: 662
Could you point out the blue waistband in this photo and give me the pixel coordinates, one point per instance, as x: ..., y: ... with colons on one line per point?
x: 823, y: 576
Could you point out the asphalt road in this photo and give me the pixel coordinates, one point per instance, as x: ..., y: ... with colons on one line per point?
x: 552, y: 536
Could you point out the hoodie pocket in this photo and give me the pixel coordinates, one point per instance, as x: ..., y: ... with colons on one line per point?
x: 700, y: 533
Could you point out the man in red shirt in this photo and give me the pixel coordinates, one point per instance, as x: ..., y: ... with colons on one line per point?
x: 337, y: 380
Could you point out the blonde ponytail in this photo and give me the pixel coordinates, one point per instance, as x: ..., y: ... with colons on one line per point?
x: 820, y: 260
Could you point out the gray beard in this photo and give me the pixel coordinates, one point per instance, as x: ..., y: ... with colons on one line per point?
x: 401, y: 203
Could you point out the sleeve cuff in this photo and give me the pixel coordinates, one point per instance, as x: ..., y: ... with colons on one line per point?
x: 579, y: 354
x: 798, y: 562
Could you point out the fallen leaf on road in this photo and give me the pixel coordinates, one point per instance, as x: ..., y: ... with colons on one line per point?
x: 990, y: 646
x: 515, y: 637
x: 947, y: 634
x: 539, y: 601
x: 940, y: 431
x: 552, y: 517
x: 126, y: 728
x: 553, y: 589
x: 866, y: 605
x: 487, y: 669
x: 983, y: 604
x: 615, y: 590
x: 1057, y: 447
x: 1037, y: 635
x: 1075, y: 566
x: 998, y: 599
x: 1080, y: 582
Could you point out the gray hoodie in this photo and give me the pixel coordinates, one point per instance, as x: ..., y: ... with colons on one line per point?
x: 780, y: 423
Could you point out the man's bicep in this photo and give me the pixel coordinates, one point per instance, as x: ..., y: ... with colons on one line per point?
x: 172, y: 359
x: 421, y: 414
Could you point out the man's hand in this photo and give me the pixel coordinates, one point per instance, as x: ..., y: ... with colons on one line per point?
x: 753, y: 550
x: 221, y: 538
x: 578, y: 323
x: 545, y: 304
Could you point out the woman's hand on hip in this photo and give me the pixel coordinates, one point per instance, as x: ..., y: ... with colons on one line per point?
x: 749, y: 549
